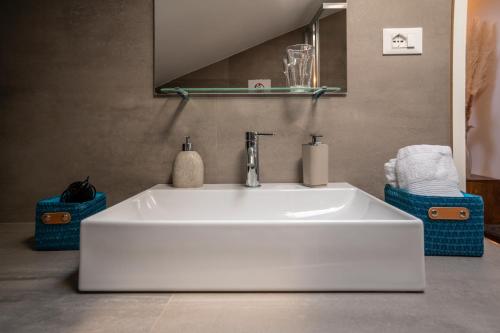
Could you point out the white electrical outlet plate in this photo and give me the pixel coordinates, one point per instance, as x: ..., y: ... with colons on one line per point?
x: 402, y: 41
x: 260, y: 83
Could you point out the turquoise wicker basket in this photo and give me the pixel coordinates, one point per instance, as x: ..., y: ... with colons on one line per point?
x: 463, y: 236
x: 57, y: 224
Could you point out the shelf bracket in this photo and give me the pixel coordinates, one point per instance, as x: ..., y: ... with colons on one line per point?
x: 182, y: 93
x: 319, y: 92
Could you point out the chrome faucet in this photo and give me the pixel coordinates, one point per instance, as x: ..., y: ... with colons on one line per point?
x: 252, y: 149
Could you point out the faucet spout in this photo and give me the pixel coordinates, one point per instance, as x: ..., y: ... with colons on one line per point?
x: 252, y: 175
x: 252, y: 149
x: 251, y: 158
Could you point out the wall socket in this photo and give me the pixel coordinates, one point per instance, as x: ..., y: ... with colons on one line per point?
x: 402, y: 41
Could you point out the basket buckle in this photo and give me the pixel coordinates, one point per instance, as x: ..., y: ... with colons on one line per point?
x: 449, y: 213
x: 56, y: 218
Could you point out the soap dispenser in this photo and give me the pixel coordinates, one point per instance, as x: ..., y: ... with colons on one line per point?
x: 188, y: 167
x: 315, y: 162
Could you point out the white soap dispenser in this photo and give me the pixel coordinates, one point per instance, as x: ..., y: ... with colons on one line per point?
x: 188, y: 167
x: 315, y: 162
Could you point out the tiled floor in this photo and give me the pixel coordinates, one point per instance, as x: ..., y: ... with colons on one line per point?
x: 38, y: 294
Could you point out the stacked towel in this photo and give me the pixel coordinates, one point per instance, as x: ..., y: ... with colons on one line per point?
x: 424, y: 170
x: 390, y: 172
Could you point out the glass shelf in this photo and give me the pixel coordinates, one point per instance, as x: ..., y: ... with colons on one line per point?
x: 314, y: 92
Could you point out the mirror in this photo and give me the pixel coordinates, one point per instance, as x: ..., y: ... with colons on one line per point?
x: 259, y: 47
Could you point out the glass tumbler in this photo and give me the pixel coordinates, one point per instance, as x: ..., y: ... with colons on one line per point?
x: 299, y: 65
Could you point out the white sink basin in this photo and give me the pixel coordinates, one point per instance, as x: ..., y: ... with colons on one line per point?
x: 279, y: 237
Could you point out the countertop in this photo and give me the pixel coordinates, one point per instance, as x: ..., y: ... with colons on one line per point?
x: 38, y: 294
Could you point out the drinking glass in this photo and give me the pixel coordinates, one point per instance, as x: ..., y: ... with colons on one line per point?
x: 299, y: 65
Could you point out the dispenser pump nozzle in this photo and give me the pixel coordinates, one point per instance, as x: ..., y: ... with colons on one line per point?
x: 187, y: 146
x: 315, y: 139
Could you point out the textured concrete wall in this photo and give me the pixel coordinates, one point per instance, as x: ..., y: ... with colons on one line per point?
x: 76, y: 80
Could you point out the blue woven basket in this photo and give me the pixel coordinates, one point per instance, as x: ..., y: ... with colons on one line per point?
x: 444, y: 237
x: 65, y: 236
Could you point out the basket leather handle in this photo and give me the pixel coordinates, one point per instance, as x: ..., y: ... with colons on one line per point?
x: 449, y: 213
x: 56, y: 218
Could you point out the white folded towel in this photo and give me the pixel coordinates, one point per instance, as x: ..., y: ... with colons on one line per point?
x: 390, y: 172
x: 427, y: 170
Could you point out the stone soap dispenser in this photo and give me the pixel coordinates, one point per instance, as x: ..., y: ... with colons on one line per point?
x: 188, y: 167
x: 315, y: 162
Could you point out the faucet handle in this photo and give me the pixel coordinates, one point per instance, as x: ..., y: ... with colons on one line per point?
x: 252, y: 136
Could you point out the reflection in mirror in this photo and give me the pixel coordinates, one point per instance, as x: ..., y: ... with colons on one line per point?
x: 271, y: 66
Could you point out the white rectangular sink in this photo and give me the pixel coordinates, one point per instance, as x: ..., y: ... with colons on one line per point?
x: 279, y: 237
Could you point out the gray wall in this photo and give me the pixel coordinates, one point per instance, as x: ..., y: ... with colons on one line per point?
x: 76, y: 82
